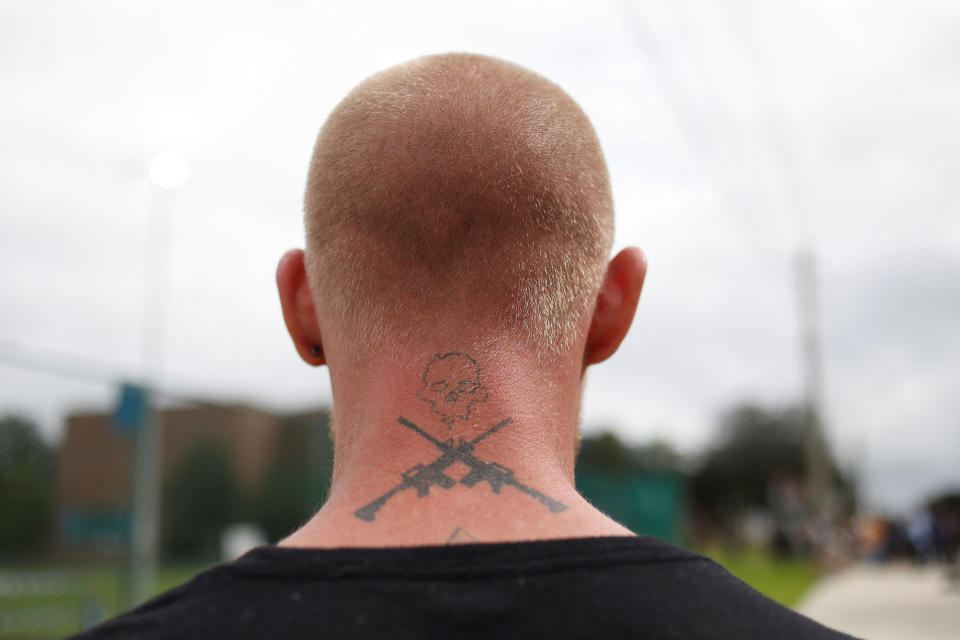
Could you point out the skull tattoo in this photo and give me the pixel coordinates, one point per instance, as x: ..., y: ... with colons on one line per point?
x: 451, y: 384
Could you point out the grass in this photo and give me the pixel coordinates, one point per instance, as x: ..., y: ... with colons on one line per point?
x: 785, y: 580
x: 50, y: 602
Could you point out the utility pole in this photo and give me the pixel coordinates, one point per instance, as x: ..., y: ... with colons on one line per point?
x: 168, y: 171
x: 815, y: 446
x: 148, y: 439
x: 146, y: 498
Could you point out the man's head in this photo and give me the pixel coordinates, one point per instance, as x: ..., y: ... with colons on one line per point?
x: 456, y: 194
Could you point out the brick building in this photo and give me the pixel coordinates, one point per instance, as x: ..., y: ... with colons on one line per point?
x: 96, y: 458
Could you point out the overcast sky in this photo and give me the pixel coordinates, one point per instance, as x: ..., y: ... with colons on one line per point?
x: 735, y: 132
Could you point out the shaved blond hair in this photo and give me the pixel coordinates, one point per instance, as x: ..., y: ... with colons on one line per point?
x: 457, y: 195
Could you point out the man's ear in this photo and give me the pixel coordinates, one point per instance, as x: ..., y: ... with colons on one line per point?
x: 299, y: 312
x: 616, y: 304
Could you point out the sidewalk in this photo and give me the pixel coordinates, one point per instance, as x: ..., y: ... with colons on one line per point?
x: 896, y: 601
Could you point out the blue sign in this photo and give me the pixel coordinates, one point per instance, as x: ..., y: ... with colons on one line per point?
x: 132, y: 407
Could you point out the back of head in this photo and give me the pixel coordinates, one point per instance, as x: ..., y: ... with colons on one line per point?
x: 457, y: 197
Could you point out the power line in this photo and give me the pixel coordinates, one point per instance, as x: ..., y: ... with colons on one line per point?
x: 62, y: 364
x: 779, y: 147
x: 807, y: 284
x: 738, y: 209
x: 89, y: 370
x: 804, y: 267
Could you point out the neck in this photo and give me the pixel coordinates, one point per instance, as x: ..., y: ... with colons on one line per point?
x: 446, y: 446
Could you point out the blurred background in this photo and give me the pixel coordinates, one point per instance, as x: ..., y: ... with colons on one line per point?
x: 786, y: 402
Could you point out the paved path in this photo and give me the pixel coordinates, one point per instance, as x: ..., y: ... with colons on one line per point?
x: 880, y: 602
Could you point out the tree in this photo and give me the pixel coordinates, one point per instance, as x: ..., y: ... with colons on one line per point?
x: 27, y: 466
x: 754, y: 447
x: 606, y: 452
x: 296, y: 483
x: 657, y: 455
x: 283, y: 501
x: 201, y: 499
x: 946, y: 502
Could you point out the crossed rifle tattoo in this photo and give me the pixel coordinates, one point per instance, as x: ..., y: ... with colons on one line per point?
x: 452, y: 386
x: 423, y: 477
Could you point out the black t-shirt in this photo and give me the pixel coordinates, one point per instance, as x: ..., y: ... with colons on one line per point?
x: 578, y: 588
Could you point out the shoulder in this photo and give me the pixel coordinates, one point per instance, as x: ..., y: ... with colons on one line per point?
x: 644, y: 585
x: 577, y: 588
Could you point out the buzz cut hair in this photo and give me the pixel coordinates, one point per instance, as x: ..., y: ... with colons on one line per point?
x: 457, y: 195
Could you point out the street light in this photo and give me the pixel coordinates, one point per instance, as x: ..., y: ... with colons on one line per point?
x: 168, y: 171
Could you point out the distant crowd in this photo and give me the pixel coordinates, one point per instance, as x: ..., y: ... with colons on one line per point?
x: 924, y: 537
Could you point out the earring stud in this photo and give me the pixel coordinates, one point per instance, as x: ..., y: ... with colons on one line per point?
x: 316, y: 351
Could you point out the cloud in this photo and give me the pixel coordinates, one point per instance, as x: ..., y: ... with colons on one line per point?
x: 837, y: 117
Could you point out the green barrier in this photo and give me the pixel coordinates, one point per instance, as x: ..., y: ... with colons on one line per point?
x: 649, y: 503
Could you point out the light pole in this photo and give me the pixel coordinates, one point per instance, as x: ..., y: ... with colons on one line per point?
x: 167, y: 172
x: 819, y: 480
